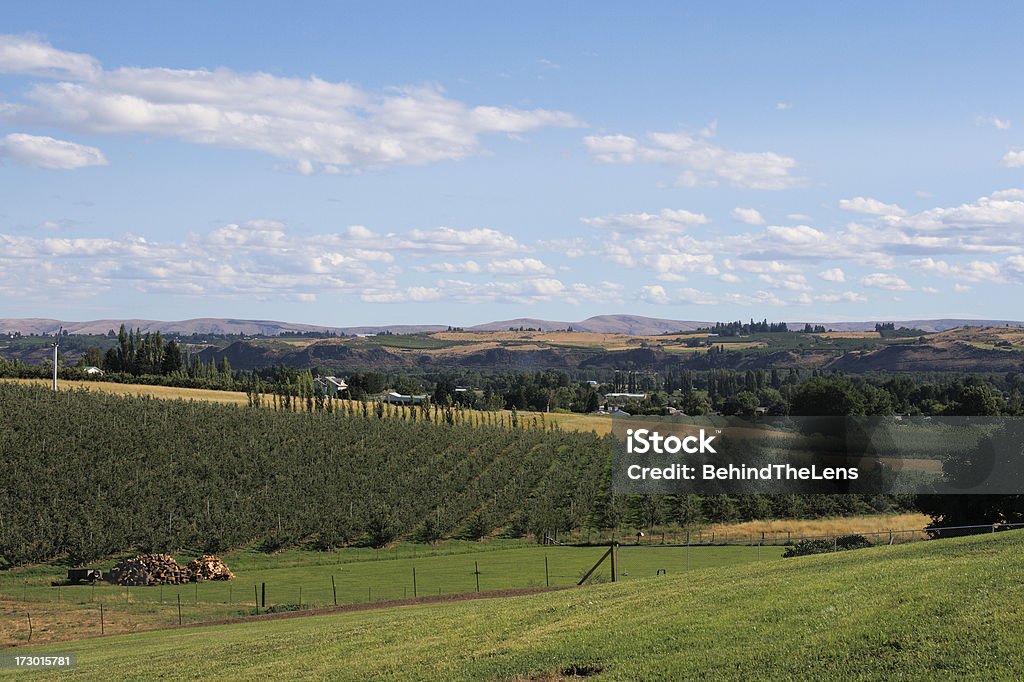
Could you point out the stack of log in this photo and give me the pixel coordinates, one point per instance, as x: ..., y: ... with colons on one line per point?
x: 208, y: 567
x: 149, y: 569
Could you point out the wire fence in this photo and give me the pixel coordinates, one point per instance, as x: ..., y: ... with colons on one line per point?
x: 725, y: 538
x: 32, y: 610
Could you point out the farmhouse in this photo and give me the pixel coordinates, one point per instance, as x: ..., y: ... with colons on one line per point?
x: 400, y: 399
x: 91, y: 370
x: 331, y: 386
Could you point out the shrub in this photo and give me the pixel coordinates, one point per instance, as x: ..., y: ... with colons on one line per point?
x: 825, y: 546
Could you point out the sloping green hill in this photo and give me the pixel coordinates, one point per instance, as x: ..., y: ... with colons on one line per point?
x: 936, y: 610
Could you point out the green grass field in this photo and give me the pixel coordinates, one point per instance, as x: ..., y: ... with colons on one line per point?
x: 947, y: 609
x: 359, y: 576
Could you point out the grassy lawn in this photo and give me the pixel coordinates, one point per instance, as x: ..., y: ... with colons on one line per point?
x: 946, y: 609
x: 359, y: 575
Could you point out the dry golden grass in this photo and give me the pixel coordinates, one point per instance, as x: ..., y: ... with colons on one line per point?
x: 165, y: 392
x: 299, y: 343
x: 831, y: 526
x: 570, y: 422
x: 567, y: 421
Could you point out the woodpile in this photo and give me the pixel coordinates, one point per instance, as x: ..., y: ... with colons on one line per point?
x: 208, y: 567
x: 149, y: 569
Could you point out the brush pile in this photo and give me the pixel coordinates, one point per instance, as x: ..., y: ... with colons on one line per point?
x: 208, y: 567
x: 149, y: 569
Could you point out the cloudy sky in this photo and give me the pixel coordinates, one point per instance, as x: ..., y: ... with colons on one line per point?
x: 351, y: 164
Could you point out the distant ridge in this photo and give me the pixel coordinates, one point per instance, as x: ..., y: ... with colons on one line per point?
x: 201, y: 325
x: 600, y: 324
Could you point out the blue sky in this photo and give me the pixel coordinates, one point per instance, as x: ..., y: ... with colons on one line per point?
x: 399, y: 163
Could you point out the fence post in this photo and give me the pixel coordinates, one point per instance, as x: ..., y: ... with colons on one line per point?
x: 334, y: 589
x: 255, y: 593
x: 179, y: 608
x: 547, y: 576
x: 263, y: 595
x: 414, y: 582
x: 613, y: 562
x: 476, y: 569
x: 101, y: 618
x: 29, y: 626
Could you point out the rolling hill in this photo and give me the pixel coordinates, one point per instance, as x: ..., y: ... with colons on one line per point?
x: 637, y: 325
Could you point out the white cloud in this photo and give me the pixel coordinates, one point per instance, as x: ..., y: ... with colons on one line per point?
x: 799, y: 218
x: 258, y: 259
x: 321, y: 126
x: 1001, y: 209
x: 973, y: 271
x: 881, y: 280
x: 658, y: 295
x: 790, y: 282
x: 519, y: 266
x: 666, y: 220
x: 699, y: 161
x: 32, y: 56
x: 1014, y: 159
x: 833, y: 275
x: 844, y: 297
x: 671, y: 263
x: 783, y: 106
x: 653, y: 293
x: 799, y: 234
x: 469, y: 266
x: 39, y: 151
x: 750, y: 216
x: 994, y: 121
x: 448, y: 240
x: 870, y: 207
x: 1010, y: 194
x: 771, y: 266
x: 961, y: 288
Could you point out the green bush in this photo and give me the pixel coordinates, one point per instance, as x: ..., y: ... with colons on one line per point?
x: 824, y: 546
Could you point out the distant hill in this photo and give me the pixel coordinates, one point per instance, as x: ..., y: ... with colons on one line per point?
x: 602, y: 324
x: 524, y: 322
x: 939, y: 325
x: 202, y: 325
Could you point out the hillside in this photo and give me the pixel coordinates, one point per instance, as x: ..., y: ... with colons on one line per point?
x: 943, y: 356
x: 646, y: 348
x: 223, y: 476
x: 932, y: 610
x: 969, y: 351
x: 636, y: 325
